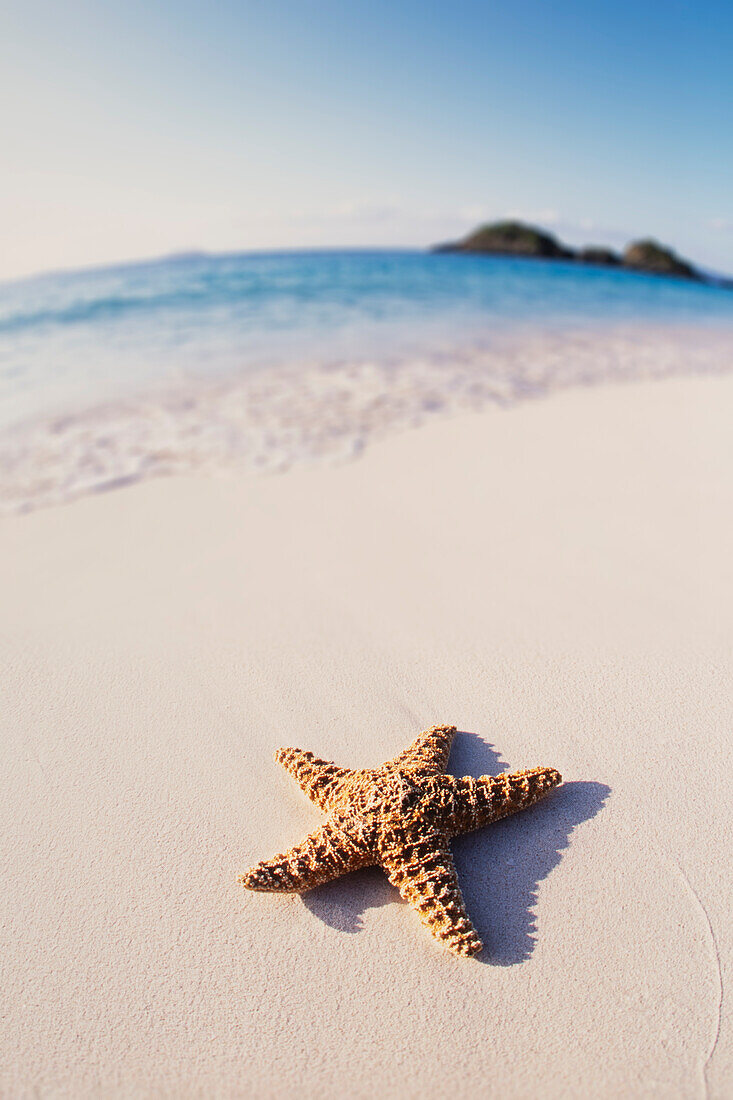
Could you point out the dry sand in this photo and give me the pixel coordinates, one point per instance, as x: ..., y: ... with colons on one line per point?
x: 556, y: 580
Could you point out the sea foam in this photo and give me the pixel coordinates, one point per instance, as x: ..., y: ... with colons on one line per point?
x: 309, y: 412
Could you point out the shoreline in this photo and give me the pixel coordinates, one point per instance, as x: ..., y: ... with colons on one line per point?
x: 280, y: 418
x: 558, y: 584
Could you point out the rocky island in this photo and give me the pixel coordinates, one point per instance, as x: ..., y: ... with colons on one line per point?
x: 510, y: 239
x: 656, y: 260
x: 514, y: 238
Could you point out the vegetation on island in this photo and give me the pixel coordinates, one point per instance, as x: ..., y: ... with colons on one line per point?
x: 514, y: 238
x: 510, y: 238
x: 652, y: 257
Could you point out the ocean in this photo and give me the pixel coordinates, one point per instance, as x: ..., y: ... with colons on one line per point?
x: 194, y: 362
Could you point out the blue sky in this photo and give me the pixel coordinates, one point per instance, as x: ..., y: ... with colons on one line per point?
x: 153, y: 127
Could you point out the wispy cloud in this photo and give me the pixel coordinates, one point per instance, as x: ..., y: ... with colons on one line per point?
x: 391, y: 219
x: 577, y: 230
x: 536, y: 217
x: 359, y: 210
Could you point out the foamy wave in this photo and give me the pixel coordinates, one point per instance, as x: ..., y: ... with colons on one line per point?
x: 271, y: 421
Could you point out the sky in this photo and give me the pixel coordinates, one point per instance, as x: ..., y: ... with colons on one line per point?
x: 161, y: 126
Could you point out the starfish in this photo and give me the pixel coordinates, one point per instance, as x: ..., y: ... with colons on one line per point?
x: 400, y: 816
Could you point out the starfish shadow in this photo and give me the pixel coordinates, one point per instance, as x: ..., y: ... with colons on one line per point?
x: 341, y: 904
x: 499, y: 868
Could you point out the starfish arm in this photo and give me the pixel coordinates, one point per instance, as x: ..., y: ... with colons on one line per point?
x: 422, y: 870
x: 325, y: 854
x: 471, y: 803
x: 321, y: 780
x: 430, y: 751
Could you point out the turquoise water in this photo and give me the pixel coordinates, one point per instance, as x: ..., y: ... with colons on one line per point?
x: 96, y: 334
x: 114, y: 374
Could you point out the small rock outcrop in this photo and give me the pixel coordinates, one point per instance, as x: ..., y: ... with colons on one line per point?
x: 510, y: 238
x: 654, y: 258
x: 601, y: 257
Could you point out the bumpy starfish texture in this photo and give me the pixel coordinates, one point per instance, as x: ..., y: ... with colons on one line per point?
x: 400, y: 816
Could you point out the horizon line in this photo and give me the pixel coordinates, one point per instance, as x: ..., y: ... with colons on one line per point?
x: 184, y: 254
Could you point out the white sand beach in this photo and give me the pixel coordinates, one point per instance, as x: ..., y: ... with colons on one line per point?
x: 557, y: 581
